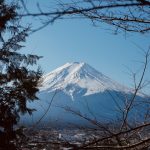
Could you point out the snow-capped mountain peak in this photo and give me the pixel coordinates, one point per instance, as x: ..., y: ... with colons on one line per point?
x: 78, y: 77
x: 83, y: 89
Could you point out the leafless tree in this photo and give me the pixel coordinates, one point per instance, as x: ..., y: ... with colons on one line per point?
x: 123, y: 133
x: 128, y: 15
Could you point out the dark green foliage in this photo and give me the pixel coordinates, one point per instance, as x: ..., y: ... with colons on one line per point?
x: 18, y: 82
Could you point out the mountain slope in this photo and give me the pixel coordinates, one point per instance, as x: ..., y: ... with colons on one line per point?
x: 83, y: 89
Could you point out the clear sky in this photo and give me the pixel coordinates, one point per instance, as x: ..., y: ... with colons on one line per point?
x: 77, y: 40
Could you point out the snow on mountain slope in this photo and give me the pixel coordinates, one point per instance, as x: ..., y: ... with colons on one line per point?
x: 73, y: 78
x: 83, y: 89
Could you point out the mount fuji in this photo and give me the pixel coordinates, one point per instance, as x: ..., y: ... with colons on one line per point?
x: 79, y: 79
x: 79, y: 87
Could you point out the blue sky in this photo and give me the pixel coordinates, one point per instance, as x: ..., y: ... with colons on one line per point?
x: 77, y: 40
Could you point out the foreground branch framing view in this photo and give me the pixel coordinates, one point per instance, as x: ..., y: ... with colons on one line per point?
x: 56, y: 98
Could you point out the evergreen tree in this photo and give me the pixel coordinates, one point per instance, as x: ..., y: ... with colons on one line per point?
x: 18, y: 82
